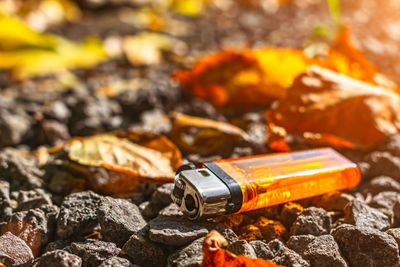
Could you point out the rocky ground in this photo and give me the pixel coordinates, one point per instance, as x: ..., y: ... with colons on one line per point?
x: 48, y: 217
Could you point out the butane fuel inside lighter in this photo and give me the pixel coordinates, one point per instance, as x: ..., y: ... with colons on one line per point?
x: 244, y: 184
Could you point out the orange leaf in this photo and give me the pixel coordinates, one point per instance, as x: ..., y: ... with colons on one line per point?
x: 257, y: 77
x: 325, y: 107
x: 214, y: 256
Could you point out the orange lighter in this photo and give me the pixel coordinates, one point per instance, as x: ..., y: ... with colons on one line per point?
x: 249, y: 183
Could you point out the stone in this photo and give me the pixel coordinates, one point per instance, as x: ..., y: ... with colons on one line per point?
x: 390, y: 144
x: 380, y: 184
x: 275, y: 245
x: 116, y: 262
x: 313, y: 221
x: 289, y: 258
x: 78, y: 215
x: 318, y: 250
x: 36, y: 226
x: 94, y: 252
x: 33, y: 199
x: 21, y: 172
x: 57, y: 245
x: 13, y: 250
x: 148, y: 210
x: 5, y: 202
x: 162, y: 195
x: 171, y: 210
x: 383, y: 163
x: 189, y: 256
x: 119, y: 219
x: 364, y: 246
x: 59, y: 258
x: 140, y: 250
x: 14, y: 126
x: 262, y: 249
x: 228, y: 233
x: 333, y: 201
x: 173, y: 231
x: 271, y: 229
x: 241, y: 247
x: 360, y: 214
x: 385, y: 200
x: 395, y: 232
x: 289, y: 213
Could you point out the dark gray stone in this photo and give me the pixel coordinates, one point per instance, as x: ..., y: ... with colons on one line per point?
x: 149, y: 210
x: 119, y: 219
x: 390, y: 144
x: 175, y: 231
x: 32, y: 199
x: 289, y: 258
x: 36, y: 226
x: 78, y: 215
x: 171, y: 210
x: 360, y: 214
x: 383, y: 164
x: 5, y: 202
x: 13, y: 250
x: 94, y: 252
x: 262, y: 249
x: 313, y: 221
x: 241, y: 247
x: 395, y: 232
x: 140, y: 250
x: 363, y: 246
x: 289, y: 213
x: 59, y: 258
x: 116, y: 262
x: 162, y: 195
x: 385, y: 200
x: 333, y: 201
x: 21, y: 172
x: 189, y: 256
x: 275, y: 245
x: 318, y: 250
x: 380, y: 184
x: 14, y: 126
x: 229, y: 234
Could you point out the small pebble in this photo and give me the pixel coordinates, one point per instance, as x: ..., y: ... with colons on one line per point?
x: 313, y: 221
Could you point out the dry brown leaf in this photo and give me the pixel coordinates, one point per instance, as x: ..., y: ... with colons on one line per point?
x: 215, y: 256
x: 256, y: 77
x: 325, y: 107
x: 138, y: 154
x: 212, y: 136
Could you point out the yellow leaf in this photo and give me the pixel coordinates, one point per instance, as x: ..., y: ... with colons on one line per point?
x: 28, y: 53
x: 151, y: 156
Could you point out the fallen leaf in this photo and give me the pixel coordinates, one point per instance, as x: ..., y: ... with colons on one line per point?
x: 137, y: 154
x: 27, y: 53
x: 146, y: 48
x: 215, y: 256
x: 251, y: 77
x: 210, y: 136
x: 257, y: 77
x: 325, y: 107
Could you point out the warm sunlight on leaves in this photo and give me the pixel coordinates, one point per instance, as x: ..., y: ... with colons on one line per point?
x: 28, y: 53
x: 256, y: 77
x: 328, y: 108
x: 139, y: 154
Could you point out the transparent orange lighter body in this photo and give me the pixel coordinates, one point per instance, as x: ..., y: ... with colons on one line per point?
x: 278, y: 178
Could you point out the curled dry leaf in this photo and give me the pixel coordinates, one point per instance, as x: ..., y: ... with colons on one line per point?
x: 215, y: 256
x: 211, y: 136
x: 329, y: 108
x: 130, y: 157
x: 256, y: 77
